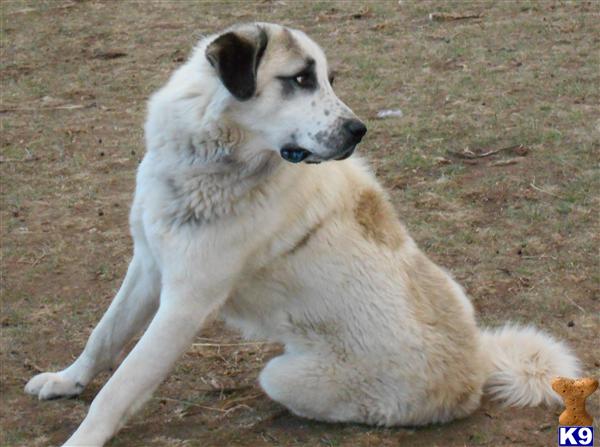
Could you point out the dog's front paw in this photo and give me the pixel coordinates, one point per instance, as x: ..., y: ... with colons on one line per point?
x: 52, y: 386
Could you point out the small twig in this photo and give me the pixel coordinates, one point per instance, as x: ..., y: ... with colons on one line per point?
x: 268, y: 437
x: 543, y: 256
x: 240, y: 399
x: 537, y: 188
x: 237, y: 407
x: 17, y: 160
x: 510, y: 161
x: 38, y: 259
x: 230, y: 389
x: 470, y: 155
x: 191, y: 404
x: 576, y: 305
x: 271, y: 417
x: 442, y: 17
x: 220, y: 345
x: 59, y: 107
x: 106, y: 55
x: 27, y: 10
x: 71, y: 106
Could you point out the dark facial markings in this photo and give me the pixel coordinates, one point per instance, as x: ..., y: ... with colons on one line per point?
x: 289, y: 42
x: 332, y: 75
x: 303, y: 80
x: 236, y: 57
x: 332, y: 138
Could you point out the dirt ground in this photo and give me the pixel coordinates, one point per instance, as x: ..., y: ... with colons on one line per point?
x: 518, y: 228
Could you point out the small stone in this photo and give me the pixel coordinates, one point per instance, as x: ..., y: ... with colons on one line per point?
x: 389, y: 113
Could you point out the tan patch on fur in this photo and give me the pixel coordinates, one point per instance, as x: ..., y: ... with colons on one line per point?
x: 455, y: 375
x: 377, y: 219
x: 289, y: 42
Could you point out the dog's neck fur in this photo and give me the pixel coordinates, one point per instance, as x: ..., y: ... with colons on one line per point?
x: 213, y: 181
x: 208, y: 166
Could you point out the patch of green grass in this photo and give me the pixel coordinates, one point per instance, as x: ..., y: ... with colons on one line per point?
x: 329, y: 441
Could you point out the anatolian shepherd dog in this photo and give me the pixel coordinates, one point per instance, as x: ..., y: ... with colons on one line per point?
x: 247, y: 204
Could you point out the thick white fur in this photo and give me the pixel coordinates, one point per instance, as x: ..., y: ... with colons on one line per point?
x: 312, y: 256
x: 523, y: 361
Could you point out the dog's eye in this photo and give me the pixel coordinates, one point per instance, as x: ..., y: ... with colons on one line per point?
x: 304, y: 80
x: 301, y: 80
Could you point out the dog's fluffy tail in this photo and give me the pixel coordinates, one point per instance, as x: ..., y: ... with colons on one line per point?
x: 523, y: 361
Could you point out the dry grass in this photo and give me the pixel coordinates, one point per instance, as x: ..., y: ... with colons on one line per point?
x: 520, y: 230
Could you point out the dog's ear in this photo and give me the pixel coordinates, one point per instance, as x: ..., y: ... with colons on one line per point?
x: 236, y: 57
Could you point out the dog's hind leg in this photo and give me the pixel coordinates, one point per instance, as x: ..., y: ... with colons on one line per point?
x: 133, y: 306
x: 313, y: 386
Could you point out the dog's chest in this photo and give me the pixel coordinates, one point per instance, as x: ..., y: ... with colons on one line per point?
x: 197, y: 199
x: 256, y: 309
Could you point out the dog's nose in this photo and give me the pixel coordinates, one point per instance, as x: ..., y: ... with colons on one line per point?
x: 356, y: 129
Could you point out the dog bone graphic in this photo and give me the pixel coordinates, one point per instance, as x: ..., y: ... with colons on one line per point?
x: 574, y: 392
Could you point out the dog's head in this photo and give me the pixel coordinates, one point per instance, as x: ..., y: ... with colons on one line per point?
x: 282, y: 91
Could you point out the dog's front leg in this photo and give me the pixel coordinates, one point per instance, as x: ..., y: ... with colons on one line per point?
x: 183, y: 308
x: 135, y: 303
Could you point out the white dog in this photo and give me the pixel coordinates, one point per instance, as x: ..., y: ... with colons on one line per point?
x: 225, y: 218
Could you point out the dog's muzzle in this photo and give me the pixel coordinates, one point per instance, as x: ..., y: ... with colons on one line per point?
x: 351, y: 134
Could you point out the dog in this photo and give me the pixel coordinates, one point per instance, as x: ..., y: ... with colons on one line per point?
x: 248, y: 206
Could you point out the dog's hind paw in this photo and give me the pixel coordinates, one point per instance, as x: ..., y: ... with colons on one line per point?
x: 48, y: 386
